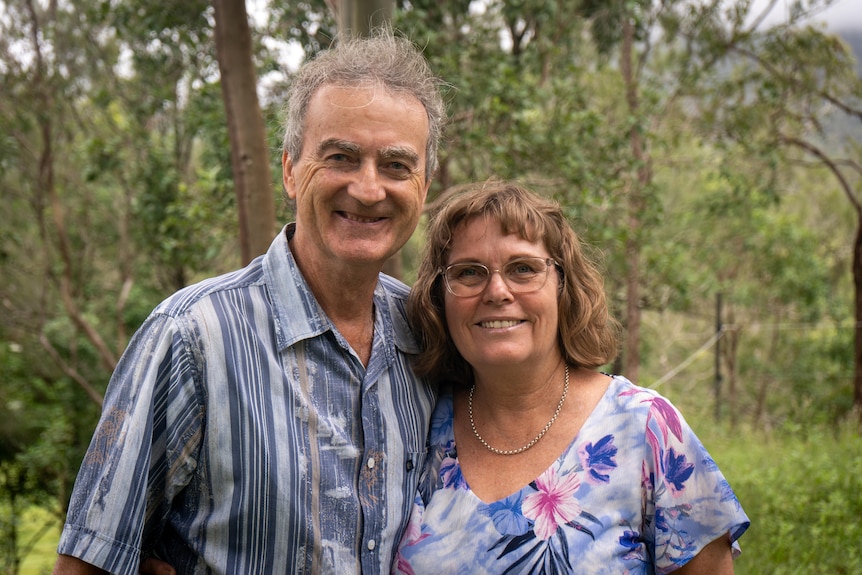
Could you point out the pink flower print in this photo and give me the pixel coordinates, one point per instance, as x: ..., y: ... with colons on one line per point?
x: 667, y: 418
x: 553, y: 504
x: 413, y: 532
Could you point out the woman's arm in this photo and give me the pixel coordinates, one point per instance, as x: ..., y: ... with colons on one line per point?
x: 714, y: 559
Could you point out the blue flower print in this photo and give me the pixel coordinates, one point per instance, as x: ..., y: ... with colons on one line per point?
x: 598, y: 458
x: 709, y: 464
x: 631, y: 541
x: 661, y: 523
x: 441, y: 422
x: 726, y: 493
x: 450, y: 472
x: 507, y: 515
x: 677, y: 471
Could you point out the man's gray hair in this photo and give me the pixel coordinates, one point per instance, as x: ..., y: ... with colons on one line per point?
x: 382, y: 59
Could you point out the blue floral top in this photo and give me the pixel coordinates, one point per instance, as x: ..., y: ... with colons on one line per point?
x: 635, y: 492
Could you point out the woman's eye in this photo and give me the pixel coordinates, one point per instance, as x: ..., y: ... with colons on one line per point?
x: 521, y: 269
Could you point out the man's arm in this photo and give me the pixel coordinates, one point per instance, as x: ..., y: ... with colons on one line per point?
x: 68, y: 565
x: 153, y: 566
x: 714, y: 559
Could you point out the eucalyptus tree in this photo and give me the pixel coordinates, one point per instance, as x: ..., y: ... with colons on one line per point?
x: 115, y: 192
x: 248, y: 141
x: 787, y: 91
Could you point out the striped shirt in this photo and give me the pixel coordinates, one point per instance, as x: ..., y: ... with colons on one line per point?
x: 241, y: 434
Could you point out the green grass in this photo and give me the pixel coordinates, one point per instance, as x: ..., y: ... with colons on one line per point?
x: 41, y: 559
x: 803, y: 495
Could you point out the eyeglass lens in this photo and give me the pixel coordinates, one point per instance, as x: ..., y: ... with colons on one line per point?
x: 521, y: 275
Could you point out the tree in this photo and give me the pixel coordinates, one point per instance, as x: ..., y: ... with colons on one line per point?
x: 101, y: 114
x: 787, y: 86
x: 249, y: 152
x: 359, y: 17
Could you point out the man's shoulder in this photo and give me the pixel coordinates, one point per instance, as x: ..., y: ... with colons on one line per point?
x: 394, y: 287
x: 249, y: 278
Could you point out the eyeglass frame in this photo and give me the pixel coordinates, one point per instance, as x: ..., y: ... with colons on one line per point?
x: 444, y: 270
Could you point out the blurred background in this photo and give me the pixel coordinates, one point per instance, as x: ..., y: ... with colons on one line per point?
x: 708, y: 151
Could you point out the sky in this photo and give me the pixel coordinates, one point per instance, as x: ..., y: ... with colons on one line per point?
x: 840, y: 15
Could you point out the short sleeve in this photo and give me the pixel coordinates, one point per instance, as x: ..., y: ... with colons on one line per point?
x: 141, y: 453
x: 688, y: 503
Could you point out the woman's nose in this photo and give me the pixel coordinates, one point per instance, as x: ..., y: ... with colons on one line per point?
x: 497, y: 288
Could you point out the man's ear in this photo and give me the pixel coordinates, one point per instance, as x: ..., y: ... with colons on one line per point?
x: 288, y: 181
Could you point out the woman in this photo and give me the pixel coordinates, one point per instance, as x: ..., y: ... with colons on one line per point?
x: 539, y: 463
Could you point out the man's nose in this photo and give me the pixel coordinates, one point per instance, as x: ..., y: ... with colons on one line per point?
x: 367, y: 186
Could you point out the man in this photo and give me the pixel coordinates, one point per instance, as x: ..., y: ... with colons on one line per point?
x: 267, y: 421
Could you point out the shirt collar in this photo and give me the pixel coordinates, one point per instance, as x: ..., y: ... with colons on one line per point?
x: 299, y: 316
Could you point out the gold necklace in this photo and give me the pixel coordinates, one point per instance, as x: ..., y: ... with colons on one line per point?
x: 535, y: 439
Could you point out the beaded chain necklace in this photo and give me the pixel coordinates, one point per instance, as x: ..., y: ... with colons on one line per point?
x: 535, y: 439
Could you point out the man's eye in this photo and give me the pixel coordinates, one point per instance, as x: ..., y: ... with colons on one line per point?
x: 399, y: 169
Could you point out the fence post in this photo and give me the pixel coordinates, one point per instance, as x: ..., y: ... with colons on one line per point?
x: 718, y: 328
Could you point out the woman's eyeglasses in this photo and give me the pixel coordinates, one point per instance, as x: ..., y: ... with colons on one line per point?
x: 522, y: 275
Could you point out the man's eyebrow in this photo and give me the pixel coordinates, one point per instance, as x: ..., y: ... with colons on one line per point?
x: 392, y: 152
x: 387, y: 153
x: 338, y: 144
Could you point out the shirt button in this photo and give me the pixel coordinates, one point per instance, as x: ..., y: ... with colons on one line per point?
x: 371, y: 545
x: 370, y: 464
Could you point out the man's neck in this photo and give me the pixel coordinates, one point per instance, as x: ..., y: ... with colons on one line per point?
x: 346, y: 294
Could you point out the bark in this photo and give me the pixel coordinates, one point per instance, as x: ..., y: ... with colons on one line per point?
x: 636, y: 205
x: 857, y: 348
x: 249, y: 153
x: 359, y: 17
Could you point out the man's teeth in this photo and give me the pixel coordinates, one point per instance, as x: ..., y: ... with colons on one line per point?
x: 361, y: 219
x: 499, y: 324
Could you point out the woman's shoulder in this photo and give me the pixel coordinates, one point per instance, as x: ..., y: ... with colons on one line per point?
x: 631, y: 396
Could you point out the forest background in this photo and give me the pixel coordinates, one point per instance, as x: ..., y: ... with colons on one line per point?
x: 708, y: 151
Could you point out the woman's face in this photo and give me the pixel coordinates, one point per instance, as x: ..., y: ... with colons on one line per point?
x: 498, y: 327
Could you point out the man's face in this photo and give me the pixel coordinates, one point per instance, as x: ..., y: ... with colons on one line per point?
x: 359, y: 183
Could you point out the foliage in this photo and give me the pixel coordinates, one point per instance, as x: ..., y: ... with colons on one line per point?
x: 803, y: 493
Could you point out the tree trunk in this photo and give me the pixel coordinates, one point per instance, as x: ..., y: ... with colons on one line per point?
x: 249, y: 153
x: 637, y: 186
x: 857, y: 352
x: 359, y: 17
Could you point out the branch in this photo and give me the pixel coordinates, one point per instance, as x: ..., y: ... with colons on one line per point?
x: 758, y: 20
x: 829, y: 163
x: 71, y: 371
x: 773, y: 71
